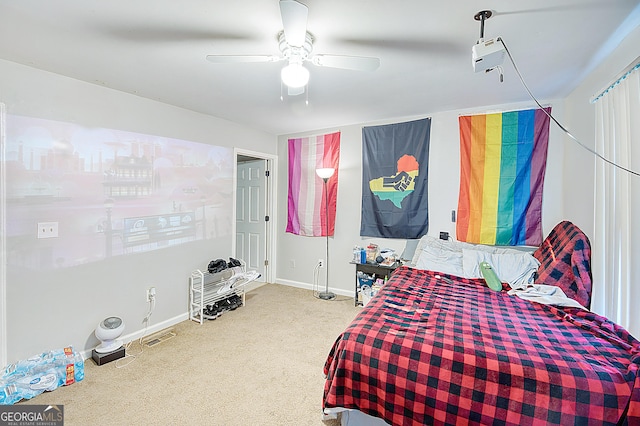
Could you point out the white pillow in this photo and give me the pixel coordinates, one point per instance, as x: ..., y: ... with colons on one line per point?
x: 438, y: 255
x: 513, y: 267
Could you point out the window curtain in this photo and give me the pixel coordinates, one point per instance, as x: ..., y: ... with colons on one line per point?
x: 616, y: 243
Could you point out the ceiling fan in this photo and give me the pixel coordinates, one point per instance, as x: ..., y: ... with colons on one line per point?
x: 296, y: 44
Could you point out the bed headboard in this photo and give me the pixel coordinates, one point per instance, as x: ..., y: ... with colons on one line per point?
x: 565, y: 261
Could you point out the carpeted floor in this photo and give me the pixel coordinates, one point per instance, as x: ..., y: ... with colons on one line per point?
x: 258, y: 365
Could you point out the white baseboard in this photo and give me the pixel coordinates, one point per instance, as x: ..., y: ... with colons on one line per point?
x: 154, y: 328
x: 185, y: 316
x: 307, y: 286
x: 86, y: 354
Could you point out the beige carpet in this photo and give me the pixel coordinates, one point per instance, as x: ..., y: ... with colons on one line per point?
x: 258, y: 365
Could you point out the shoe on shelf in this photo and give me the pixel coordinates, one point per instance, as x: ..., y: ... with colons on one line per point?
x: 237, y: 300
x: 233, y: 262
x: 228, y: 304
x: 219, y: 308
x: 209, y: 312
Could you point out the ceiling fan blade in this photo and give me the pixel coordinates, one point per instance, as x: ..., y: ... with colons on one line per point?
x: 294, y: 21
x: 231, y: 59
x: 358, y: 63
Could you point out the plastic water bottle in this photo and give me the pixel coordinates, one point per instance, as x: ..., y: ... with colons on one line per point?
x: 356, y: 254
x: 44, y: 372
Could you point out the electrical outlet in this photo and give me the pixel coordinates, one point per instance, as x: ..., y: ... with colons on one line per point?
x: 151, y: 293
x: 321, y: 263
x: 47, y: 229
x: 292, y: 264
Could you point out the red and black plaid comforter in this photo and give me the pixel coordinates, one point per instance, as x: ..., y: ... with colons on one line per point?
x: 448, y: 350
x: 565, y: 261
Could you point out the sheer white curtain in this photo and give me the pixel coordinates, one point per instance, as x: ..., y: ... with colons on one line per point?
x: 616, y: 243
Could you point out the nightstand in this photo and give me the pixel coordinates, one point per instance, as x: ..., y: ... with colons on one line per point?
x: 379, y: 271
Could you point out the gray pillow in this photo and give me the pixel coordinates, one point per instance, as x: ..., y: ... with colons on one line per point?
x: 409, y: 250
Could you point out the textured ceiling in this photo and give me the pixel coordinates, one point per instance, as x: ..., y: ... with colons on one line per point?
x: 157, y: 50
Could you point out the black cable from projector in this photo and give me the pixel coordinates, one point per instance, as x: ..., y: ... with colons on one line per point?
x: 556, y: 121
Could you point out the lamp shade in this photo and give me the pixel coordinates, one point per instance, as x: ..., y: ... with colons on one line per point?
x: 295, y: 75
x: 325, y: 173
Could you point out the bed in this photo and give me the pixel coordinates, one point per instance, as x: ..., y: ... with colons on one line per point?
x: 439, y: 348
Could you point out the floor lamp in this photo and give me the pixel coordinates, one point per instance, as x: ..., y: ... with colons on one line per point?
x: 325, y: 174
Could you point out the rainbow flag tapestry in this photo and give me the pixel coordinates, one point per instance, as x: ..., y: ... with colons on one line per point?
x: 503, y: 159
x: 306, y: 211
x: 395, y: 161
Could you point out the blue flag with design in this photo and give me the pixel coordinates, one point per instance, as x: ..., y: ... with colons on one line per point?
x: 395, y: 163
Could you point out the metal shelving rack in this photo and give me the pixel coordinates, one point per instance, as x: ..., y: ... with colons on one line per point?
x: 208, y: 288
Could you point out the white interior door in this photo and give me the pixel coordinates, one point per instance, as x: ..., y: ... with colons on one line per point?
x: 251, y: 212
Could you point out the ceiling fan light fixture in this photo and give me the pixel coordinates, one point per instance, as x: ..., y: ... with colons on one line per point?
x: 295, y: 75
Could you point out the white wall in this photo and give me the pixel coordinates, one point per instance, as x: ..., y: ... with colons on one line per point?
x: 579, y: 183
x: 63, y: 308
x: 52, y: 310
x: 569, y: 181
x: 444, y: 169
x: 579, y: 166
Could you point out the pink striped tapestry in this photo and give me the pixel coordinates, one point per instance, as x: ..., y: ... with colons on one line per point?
x: 306, y: 207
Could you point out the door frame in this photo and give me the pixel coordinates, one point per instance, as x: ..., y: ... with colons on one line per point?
x: 271, y: 165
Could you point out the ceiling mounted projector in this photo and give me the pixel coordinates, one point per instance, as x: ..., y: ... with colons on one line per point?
x: 486, y: 54
x: 108, y: 332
